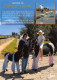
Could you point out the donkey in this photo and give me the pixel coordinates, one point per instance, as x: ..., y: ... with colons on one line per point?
x: 48, y: 49
x: 15, y: 60
x: 15, y: 57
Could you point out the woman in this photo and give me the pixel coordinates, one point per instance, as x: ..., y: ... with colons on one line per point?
x: 24, y: 46
x: 40, y: 43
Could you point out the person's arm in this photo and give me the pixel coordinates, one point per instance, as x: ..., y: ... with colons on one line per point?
x: 40, y: 6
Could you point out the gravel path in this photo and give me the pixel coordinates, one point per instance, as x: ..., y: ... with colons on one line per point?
x: 45, y: 72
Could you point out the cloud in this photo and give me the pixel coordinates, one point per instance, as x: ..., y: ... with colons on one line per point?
x: 56, y: 12
x: 0, y: 23
x: 10, y: 20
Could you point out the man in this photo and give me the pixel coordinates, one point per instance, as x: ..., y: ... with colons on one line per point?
x: 23, y: 46
x: 42, y: 8
x: 41, y: 42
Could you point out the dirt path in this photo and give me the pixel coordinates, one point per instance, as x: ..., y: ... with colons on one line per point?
x: 44, y: 71
x: 3, y: 46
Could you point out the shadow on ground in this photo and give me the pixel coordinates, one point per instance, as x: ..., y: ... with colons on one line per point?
x: 39, y: 69
x: 16, y: 76
x: 10, y: 76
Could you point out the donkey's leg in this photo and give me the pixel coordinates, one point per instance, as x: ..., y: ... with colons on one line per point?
x: 5, y: 64
x: 35, y: 62
x: 13, y: 64
x: 51, y: 60
x: 17, y: 65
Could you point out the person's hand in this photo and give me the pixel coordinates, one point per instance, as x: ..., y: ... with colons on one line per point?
x: 38, y: 43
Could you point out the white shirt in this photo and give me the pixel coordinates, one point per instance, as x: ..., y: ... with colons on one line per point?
x: 42, y: 7
x: 40, y: 38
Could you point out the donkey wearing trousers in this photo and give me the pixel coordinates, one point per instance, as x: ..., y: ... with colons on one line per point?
x: 23, y: 52
x: 48, y: 49
x: 15, y: 60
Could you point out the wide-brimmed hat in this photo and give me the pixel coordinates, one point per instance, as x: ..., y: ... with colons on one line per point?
x: 40, y: 31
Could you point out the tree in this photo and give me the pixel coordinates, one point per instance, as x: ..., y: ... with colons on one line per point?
x: 23, y: 30
x: 32, y: 30
x: 14, y: 34
x: 49, y: 30
x: 53, y: 35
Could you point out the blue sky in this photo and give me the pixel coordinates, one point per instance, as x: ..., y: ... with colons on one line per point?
x: 50, y: 5
x: 8, y: 29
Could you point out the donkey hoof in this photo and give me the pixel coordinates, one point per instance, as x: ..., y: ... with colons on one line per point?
x: 6, y: 69
x: 52, y: 65
x: 35, y: 69
x: 13, y: 73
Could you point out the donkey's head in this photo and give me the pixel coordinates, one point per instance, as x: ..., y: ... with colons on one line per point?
x: 34, y: 47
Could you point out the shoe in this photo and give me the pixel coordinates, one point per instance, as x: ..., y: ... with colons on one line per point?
x: 19, y: 73
x: 13, y: 73
x: 3, y: 71
x: 35, y: 69
x: 22, y: 72
x: 25, y: 71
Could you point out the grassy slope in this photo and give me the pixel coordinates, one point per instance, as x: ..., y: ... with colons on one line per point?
x: 10, y: 48
x: 46, y: 42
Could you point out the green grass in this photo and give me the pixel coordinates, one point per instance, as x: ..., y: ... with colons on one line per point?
x: 11, y: 47
x: 1, y: 56
x: 46, y: 42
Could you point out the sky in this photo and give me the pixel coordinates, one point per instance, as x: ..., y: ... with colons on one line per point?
x: 50, y: 5
x: 8, y: 29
